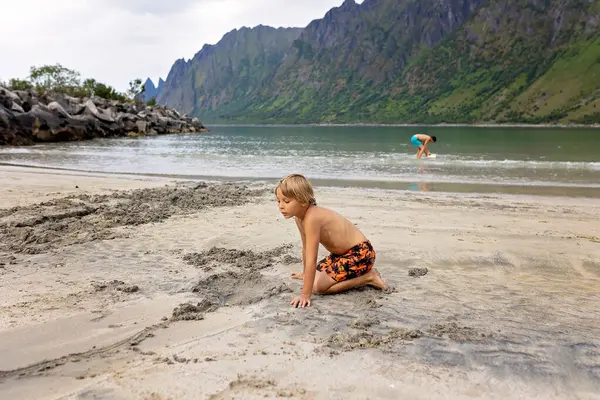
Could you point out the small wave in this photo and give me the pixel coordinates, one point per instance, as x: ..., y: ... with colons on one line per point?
x: 594, y: 166
x: 268, y: 154
x: 357, y: 179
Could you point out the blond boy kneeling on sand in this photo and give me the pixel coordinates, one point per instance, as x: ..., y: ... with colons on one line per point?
x: 350, y: 263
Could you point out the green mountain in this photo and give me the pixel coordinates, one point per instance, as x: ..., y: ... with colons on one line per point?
x: 405, y: 61
x: 221, y: 76
x: 515, y: 61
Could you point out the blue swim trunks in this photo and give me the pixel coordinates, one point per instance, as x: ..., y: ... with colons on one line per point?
x: 416, y: 142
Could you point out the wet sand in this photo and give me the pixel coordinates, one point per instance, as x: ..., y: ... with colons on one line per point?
x: 128, y: 288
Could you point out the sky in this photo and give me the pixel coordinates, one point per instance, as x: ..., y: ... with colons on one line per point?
x: 116, y: 41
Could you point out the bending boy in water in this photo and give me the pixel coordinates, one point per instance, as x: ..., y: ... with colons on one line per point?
x: 350, y: 263
x: 421, y: 140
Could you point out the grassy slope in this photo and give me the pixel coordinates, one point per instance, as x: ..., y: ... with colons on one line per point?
x: 569, y: 85
x: 499, y: 67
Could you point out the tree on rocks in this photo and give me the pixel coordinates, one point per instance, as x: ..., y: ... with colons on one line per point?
x: 54, y: 78
x: 94, y: 88
x: 135, y: 88
x: 19, y: 84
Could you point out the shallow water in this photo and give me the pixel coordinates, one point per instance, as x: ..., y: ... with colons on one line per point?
x: 557, y: 160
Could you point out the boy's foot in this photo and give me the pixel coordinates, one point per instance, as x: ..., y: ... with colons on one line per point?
x: 298, y: 275
x: 375, y: 280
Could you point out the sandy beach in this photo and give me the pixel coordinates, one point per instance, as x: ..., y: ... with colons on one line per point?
x: 123, y: 287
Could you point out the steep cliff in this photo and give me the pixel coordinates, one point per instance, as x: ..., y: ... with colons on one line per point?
x: 150, y: 90
x: 221, y: 76
x: 337, y: 61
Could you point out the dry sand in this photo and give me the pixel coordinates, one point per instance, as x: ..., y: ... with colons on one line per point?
x: 183, y: 291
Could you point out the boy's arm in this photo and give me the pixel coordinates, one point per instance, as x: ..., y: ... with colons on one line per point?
x: 426, y: 150
x: 303, y: 237
x: 312, y: 240
x: 312, y: 232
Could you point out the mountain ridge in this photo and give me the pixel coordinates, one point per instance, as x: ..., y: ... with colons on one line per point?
x: 402, y: 61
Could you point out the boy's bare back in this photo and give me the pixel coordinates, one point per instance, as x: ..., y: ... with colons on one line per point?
x: 337, y: 234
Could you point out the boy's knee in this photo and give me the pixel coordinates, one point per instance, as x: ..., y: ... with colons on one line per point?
x: 322, y: 283
x: 318, y: 290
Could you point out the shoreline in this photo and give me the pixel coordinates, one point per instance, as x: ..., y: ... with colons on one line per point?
x: 443, y: 125
x: 554, y: 190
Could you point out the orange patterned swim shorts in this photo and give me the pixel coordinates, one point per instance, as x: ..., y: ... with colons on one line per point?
x: 355, y: 262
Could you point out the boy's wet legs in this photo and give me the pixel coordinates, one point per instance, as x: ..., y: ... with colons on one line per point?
x: 324, y: 284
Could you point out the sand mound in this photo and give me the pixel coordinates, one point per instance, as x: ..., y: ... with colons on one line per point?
x: 366, y: 339
x: 456, y: 332
x: 239, y: 288
x: 84, y: 218
x: 246, y: 259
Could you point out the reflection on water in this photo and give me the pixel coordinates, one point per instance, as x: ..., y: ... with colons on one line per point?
x: 421, y: 186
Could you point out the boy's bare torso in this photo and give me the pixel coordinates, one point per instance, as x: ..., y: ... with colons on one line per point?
x: 337, y: 234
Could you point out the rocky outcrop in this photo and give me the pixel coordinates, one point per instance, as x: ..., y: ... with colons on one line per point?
x: 223, y: 75
x: 26, y: 118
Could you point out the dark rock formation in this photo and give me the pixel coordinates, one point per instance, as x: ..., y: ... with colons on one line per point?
x: 27, y: 118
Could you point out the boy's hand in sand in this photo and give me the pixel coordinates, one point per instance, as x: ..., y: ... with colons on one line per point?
x: 298, y: 275
x: 301, y: 301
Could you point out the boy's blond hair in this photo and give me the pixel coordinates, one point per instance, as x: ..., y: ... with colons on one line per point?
x: 297, y: 187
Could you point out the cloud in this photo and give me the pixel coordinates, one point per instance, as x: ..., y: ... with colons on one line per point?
x: 157, y: 7
x: 115, y: 41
